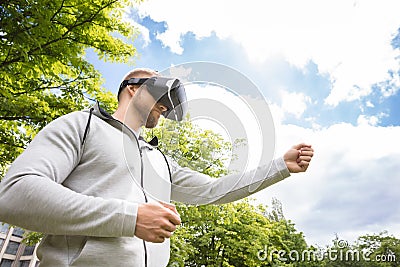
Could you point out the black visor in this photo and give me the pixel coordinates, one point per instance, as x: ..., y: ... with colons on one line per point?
x: 168, y: 91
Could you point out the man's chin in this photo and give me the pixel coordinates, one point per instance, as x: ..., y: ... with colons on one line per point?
x: 148, y: 126
x: 151, y: 123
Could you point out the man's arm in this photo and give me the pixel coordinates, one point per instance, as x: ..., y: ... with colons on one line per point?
x: 195, y: 188
x: 32, y: 195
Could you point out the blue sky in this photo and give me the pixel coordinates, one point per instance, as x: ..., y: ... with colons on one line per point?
x: 331, y: 75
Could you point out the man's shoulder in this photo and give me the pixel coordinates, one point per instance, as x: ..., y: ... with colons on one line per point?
x: 75, y: 119
x: 81, y: 120
x: 75, y: 115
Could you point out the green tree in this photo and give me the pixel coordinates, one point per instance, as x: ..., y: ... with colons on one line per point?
x: 382, y: 249
x: 190, y: 146
x: 43, y: 70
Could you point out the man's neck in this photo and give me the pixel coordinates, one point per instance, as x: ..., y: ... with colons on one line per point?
x: 131, y: 120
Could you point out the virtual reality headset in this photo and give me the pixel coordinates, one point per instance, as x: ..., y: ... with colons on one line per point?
x: 168, y: 91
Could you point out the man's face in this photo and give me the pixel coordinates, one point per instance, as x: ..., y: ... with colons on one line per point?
x: 154, y: 115
x: 149, y: 110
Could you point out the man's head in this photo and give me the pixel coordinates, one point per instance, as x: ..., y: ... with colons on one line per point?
x: 152, y: 95
x: 136, y: 73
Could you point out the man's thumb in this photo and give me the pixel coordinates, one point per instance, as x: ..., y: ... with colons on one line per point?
x: 169, y: 206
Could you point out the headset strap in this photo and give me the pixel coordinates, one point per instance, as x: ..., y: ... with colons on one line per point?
x: 132, y: 81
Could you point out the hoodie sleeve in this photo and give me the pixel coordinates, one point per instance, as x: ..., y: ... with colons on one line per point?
x: 192, y: 187
x: 32, y: 195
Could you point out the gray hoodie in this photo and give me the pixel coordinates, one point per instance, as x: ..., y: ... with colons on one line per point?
x: 84, y: 192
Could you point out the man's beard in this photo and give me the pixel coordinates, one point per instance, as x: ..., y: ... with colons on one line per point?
x: 151, y: 123
x: 151, y: 120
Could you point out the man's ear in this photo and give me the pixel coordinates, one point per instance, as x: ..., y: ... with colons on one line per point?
x: 132, y: 90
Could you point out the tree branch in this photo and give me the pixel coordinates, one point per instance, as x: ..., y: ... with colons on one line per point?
x: 13, y: 118
x: 89, y: 20
x: 58, y: 11
x: 12, y: 144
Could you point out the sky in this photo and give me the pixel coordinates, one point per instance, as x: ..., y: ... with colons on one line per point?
x: 330, y: 73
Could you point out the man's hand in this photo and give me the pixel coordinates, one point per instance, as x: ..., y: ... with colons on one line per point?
x: 156, y: 221
x: 298, y: 157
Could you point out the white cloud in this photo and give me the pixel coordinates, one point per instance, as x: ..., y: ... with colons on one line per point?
x: 169, y: 39
x: 369, y: 104
x: 367, y: 120
x: 142, y: 30
x: 145, y: 33
x: 348, y: 40
x: 350, y: 189
x: 294, y: 103
x: 391, y: 87
x: 370, y: 120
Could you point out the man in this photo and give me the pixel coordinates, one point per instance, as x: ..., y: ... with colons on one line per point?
x: 101, y: 194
